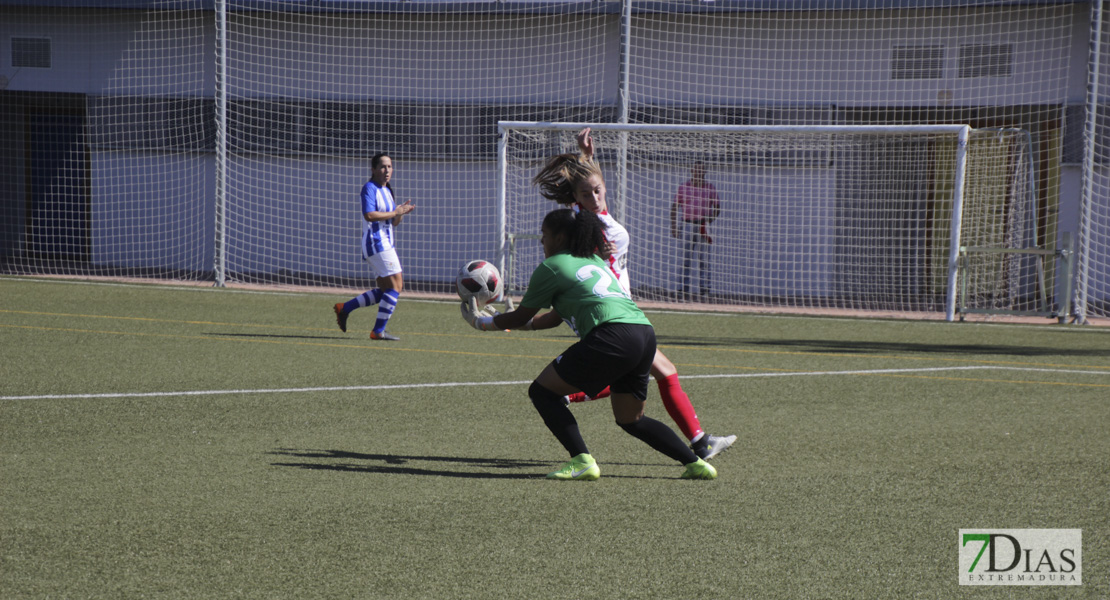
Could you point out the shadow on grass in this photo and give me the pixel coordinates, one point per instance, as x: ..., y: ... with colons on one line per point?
x: 279, y: 336
x: 395, y: 464
x: 849, y: 347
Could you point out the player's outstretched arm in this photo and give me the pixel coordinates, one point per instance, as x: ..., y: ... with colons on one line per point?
x: 548, y: 320
x: 487, y: 319
x: 585, y: 143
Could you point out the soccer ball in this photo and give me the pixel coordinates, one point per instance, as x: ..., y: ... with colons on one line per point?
x: 480, y: 280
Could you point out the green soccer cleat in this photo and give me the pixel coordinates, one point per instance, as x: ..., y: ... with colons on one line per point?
x: 699, y: 470
x: 582, y: 467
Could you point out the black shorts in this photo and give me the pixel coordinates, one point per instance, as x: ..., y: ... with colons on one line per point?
x: 617, y: 355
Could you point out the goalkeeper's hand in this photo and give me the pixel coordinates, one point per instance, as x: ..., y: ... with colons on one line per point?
x: 480, y: 319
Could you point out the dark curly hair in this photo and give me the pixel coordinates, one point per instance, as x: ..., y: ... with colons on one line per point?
x: 584, y: 231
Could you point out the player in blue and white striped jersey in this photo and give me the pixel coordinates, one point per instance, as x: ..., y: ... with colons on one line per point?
x: 381, y: 214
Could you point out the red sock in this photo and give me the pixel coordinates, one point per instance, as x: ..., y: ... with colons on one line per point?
x: 678, y: 406
x: 582, y: 397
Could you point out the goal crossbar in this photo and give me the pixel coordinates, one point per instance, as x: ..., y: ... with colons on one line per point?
x: 955, y: 129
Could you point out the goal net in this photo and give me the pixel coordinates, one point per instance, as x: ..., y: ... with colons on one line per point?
x: 909, y: 219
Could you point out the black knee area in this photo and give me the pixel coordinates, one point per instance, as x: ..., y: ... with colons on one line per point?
x: 542, y: 396
x: 630, y: 428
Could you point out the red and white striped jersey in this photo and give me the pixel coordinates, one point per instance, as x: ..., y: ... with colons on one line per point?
x: 617, y: 235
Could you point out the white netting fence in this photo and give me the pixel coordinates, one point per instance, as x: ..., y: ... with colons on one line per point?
x: 226, y: 140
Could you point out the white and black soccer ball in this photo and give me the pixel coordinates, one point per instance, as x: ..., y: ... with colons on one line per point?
x: 480, y: 280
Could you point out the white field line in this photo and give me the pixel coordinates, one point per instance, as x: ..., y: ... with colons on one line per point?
x: 898, y: 371
x: 407, y: 386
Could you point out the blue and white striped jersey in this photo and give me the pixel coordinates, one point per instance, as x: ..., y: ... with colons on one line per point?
x: 377, y: 236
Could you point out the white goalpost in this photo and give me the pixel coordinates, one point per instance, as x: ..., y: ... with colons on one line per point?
x: 877, y: 218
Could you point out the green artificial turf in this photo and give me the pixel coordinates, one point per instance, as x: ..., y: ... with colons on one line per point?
x: 174, y: 442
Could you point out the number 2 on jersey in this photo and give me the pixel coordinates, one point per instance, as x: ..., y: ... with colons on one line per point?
x: 604, y: 286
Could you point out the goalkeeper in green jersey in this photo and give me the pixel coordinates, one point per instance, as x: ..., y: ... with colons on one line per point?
x: 616, y: 344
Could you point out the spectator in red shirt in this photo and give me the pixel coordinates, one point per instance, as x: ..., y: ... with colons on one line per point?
x: 695, y: 206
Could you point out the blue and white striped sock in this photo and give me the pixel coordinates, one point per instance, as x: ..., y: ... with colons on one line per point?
x: 385, y: 309
x: 365, y: 299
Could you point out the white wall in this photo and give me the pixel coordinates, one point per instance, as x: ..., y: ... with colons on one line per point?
x: 101, y: 52
x: 792, y: 58
x: 845, y: 58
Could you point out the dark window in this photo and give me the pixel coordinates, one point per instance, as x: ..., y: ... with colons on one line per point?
x: 986, y: 60
x: 917, y: 62
x: 31, y: 52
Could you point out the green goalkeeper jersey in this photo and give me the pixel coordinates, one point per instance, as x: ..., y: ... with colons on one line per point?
x: 583, y: 291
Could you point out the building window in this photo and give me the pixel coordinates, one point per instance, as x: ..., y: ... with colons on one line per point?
x: 986, y: 60
x: 31, y: 52
x: 917, y: 62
